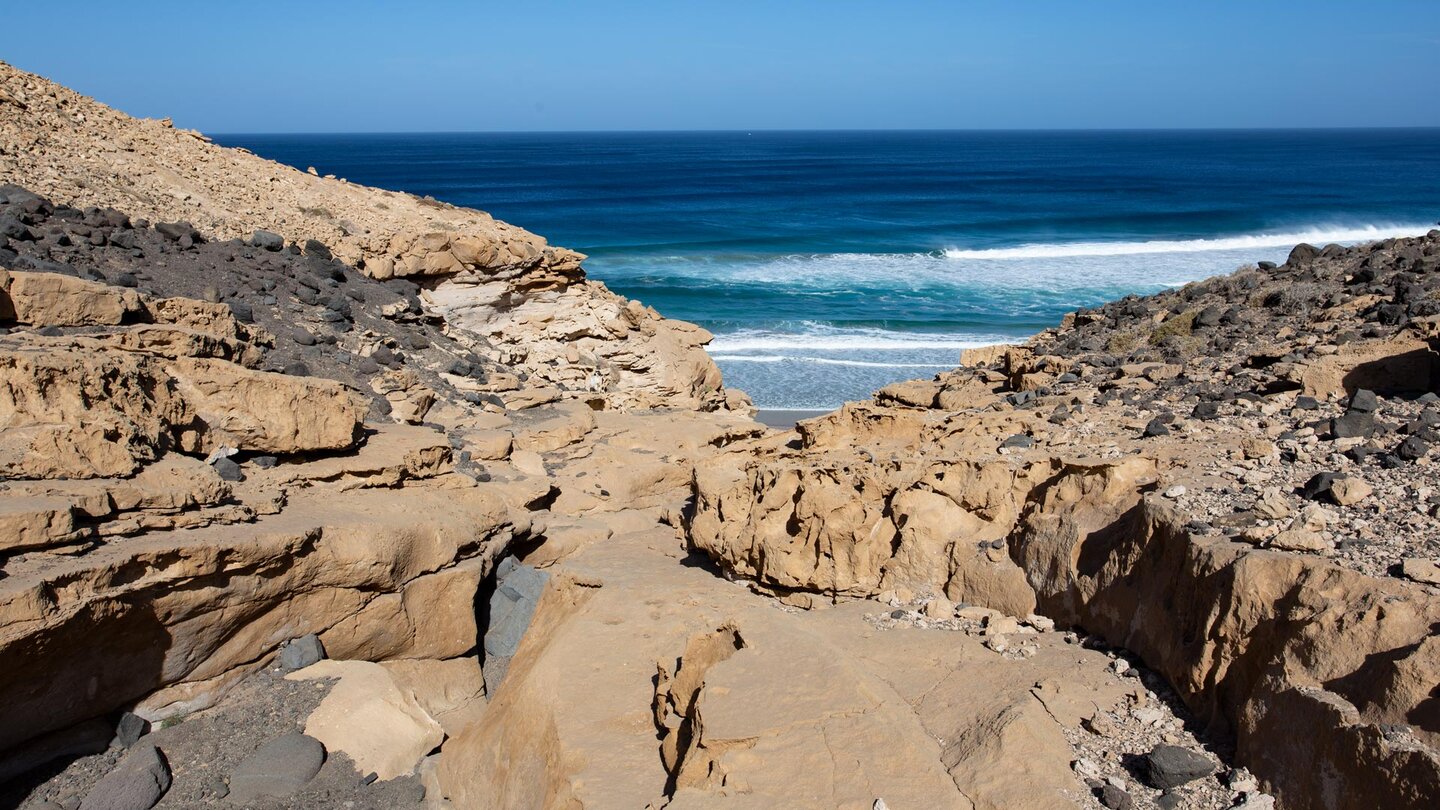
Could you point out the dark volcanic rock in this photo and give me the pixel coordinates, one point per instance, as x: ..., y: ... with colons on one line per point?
x: 1353, y: 425
x: 1018, y: 441
x: 1156, y: 427
x: 1412, y: 448
x: 265, y: 240
x: 228, y: 470
x: 136, y: 783
x: 1170, y: 766
x: 130, y: 729
x: 301, y: 652
x: 1363, y: 401
x: 277, y: 769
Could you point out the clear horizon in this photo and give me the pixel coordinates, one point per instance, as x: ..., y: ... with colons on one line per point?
x: 1057, y: 130
x: 365, y: 67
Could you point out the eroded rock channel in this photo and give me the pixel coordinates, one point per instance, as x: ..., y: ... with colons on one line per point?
x: 321, y: 495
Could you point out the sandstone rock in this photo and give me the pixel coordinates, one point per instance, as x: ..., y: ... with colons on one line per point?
x: 1420, y: 570
x: 1273, y: 504
x: 366, y: 716
x: 409, y: 399
x: 1299, y: 539
x: 1256, y: 447
x: 451, y: 691
x: 1348, y: 491
x: 940, y: 608
x: 265, y: 413
x: 50, y: 299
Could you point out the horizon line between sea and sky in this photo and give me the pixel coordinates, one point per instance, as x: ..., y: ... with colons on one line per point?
x: 821, y: 131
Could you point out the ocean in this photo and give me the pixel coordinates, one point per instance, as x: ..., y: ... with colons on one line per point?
x: 828, y: 264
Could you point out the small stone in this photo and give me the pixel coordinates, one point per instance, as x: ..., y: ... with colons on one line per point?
x: 1242, y: 781
x: 1338, y: 488
x: 879, y: 805
x: 267, y: 240
x: 1175, y: 491
x: 1116, y: 798
x: 1254, y: 447
x: 1000, y: 625
x: 1042, y: 623
x: 1421, y: 570
x: 301, y: 652
x: 1018, y: 442
x: 1353, y: 425
x: 1412, y: 448
x: 940, y: 608
x: 242, y: 311
x: 1298, y: 539
x: 265, y: 462
x: 228, y: 470
x: 1273, y: 504
x: 130, y: 729
x: 1099, y: 724
x: 1156, y: 427
x: 1363, y: 401
x: 1085, y: 767
x: 1170, y: 766
x: 1349, y: 490
x: 277, y: 769
x: 1169, y: 800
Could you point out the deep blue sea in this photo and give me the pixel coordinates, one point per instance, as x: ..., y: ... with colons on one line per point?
x: 830, y: 263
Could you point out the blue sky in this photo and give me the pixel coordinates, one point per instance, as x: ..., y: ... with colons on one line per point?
x: 682, y: 64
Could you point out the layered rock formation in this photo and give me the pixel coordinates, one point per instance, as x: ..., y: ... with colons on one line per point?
x: 515, y: 298
x: 1143, y: 473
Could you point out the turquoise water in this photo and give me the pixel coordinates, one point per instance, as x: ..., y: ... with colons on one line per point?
x: 830, y: 263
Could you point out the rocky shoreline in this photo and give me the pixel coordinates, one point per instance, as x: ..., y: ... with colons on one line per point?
x: 326, y: 495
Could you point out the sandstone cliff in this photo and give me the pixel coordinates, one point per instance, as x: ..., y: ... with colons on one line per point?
x: 517, y: 298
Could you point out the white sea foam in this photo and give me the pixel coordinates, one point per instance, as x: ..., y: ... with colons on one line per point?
x: 824, y: 361
x: 1318, y: 235
x: 1047, y: 276
x: 812, y: 337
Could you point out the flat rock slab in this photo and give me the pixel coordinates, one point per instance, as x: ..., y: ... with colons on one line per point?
x: 383, y: 729
x: 517, y: 592
x: 277, y: 769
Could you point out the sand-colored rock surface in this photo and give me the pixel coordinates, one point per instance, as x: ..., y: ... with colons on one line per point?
x: 1071, y: 485
x: 526, y: 301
